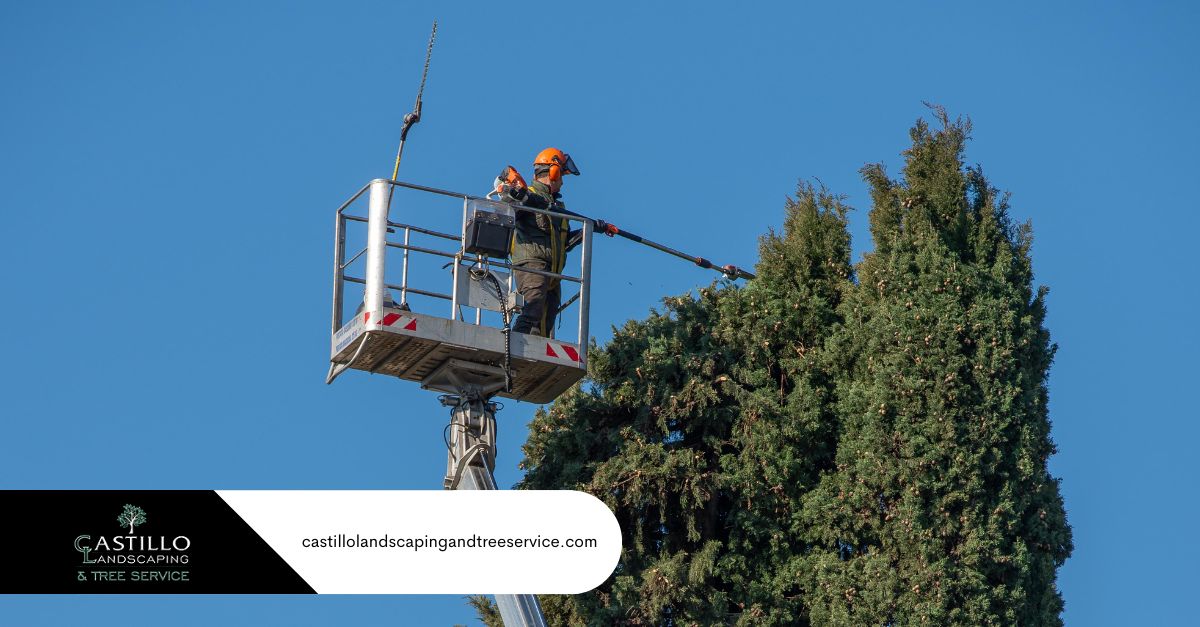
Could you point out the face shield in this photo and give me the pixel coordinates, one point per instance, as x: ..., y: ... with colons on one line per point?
x: 569, y: 167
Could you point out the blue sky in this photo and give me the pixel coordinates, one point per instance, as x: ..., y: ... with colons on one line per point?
x: 168, y: 174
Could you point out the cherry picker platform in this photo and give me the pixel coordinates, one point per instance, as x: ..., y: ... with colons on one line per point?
x: 469, y: 354
x: 392, y: 338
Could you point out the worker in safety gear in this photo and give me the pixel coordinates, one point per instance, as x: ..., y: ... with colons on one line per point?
x: 541, y: 242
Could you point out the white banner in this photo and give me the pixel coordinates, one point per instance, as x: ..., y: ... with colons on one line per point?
x: 437, y: 541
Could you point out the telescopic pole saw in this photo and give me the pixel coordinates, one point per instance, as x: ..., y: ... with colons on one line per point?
x: 414, y: 116
x: 729, y: 270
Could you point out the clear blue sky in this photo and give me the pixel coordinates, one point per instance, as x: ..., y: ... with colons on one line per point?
x: 168, y: 173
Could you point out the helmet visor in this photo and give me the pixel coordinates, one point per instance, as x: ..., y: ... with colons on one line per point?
x: 569, y: 166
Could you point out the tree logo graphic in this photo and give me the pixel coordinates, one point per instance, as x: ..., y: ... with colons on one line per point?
x: 132, y: 515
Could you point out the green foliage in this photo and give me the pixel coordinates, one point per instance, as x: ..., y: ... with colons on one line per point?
x: 488, y: 612
x: 814, y: 448
x: 941, y: 509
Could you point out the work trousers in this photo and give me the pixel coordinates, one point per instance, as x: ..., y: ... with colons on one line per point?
x: 542, y: 295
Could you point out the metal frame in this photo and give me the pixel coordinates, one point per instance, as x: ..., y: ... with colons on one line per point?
x: 378, y: 226
x: 468, y: 385
x: 378, y: 307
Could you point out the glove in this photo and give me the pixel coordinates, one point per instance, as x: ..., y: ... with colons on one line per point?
x: 606, y: 228
x: 516, y: 193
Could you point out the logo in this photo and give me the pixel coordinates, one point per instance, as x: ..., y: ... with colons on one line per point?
x: 132, y: 515
x: 130, y: 557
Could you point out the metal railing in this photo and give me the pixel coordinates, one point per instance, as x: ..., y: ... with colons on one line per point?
x: 379, y: 225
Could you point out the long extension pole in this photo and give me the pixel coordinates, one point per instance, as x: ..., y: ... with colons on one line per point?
x: 731, y: 271
x: 414, y: 116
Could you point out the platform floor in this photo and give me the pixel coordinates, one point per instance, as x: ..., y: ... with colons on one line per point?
x: 411, y: 346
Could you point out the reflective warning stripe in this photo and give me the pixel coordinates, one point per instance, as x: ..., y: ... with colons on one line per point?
x: 407, y: 323
x: 568, y: 351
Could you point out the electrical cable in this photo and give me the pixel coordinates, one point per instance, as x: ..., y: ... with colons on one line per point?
x: 507, y: 331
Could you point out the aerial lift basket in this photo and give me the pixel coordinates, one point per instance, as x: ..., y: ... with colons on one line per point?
x: 438, y: 351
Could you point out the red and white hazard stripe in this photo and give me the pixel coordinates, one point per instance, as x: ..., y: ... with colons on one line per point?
x: 408, y: 323
x: 399, y: 321
x: 562, y: 351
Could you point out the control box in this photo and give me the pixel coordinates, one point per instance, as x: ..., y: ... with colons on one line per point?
x: 489, y: 229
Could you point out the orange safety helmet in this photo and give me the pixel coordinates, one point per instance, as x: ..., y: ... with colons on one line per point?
x: 556, y: 162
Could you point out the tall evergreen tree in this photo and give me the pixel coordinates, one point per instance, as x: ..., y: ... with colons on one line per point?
x: 813, y: 450
x: 701, y: 427
x: 941, y: 510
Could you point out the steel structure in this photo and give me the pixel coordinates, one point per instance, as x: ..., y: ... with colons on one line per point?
x: 388, y: 337
x: 466, y: 358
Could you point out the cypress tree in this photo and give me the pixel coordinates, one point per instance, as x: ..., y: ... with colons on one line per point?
x: 701, y: 427
x: 815, y: 449
x: 941, y: 510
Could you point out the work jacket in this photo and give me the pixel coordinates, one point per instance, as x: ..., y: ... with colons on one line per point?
x: 539, y: 237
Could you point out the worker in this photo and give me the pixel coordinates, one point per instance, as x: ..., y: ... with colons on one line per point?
x: 541, y: 242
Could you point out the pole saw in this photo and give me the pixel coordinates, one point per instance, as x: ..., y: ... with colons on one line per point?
x: 511, y: 179
x: 729, y: 270
x: 414, y: 116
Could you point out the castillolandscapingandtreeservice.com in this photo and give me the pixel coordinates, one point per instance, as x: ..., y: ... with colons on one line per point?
x: 346, y: 541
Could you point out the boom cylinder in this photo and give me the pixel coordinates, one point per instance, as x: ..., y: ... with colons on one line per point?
x: 471, y: 460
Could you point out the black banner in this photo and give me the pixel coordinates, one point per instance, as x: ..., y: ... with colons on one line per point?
x: 135, y: 541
